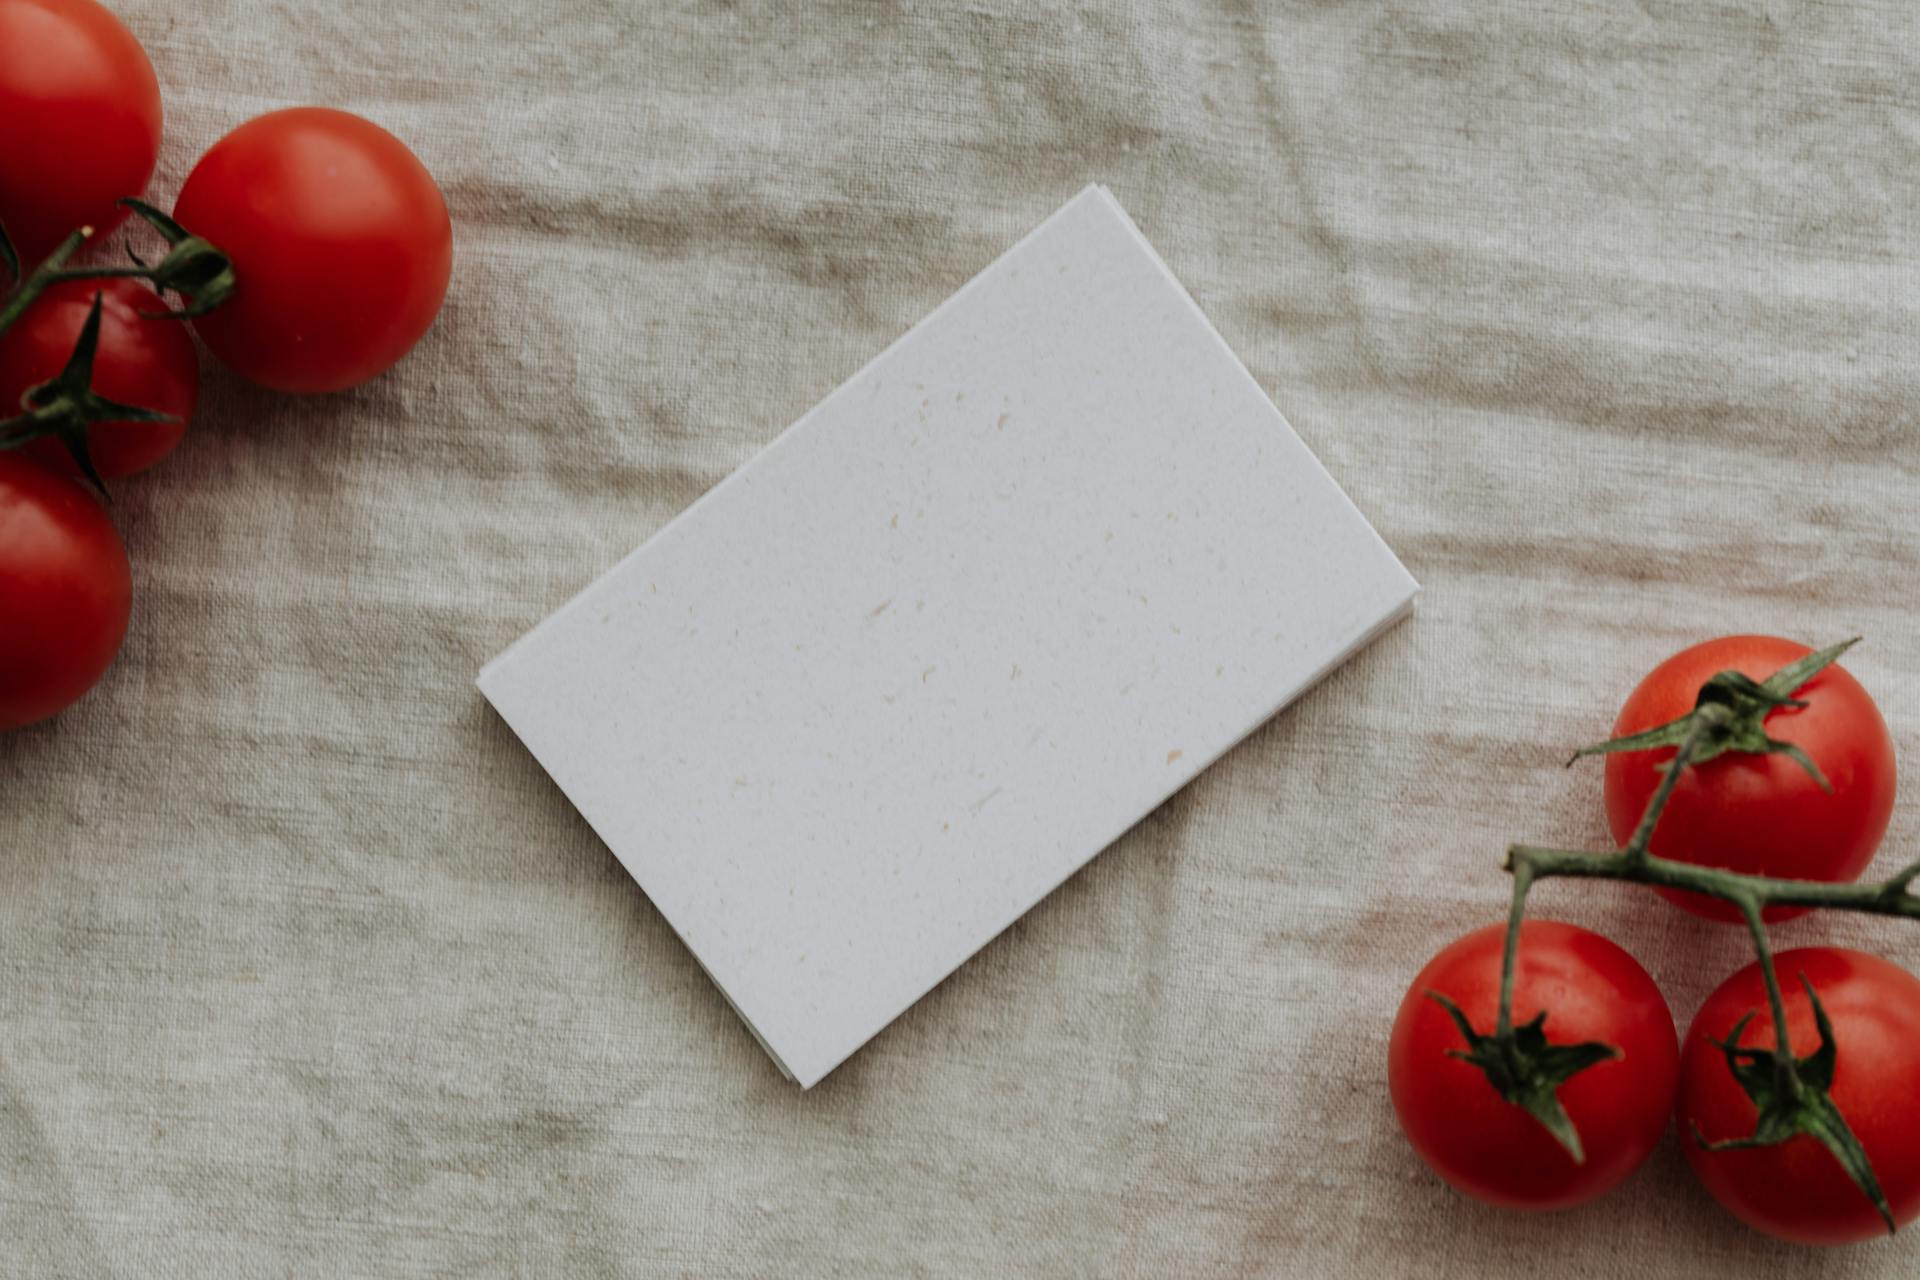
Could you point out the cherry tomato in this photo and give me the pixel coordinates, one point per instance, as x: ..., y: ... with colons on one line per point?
x: 1797, y: 1190
x: 1487, y: 1146
x: 141, y: 361
x: 79, y: 121
x: 340, y: 242
x: 65, y: 591
x: 1760, y: 814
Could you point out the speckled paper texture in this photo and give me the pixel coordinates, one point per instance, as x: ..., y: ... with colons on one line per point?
x: 998, y: 596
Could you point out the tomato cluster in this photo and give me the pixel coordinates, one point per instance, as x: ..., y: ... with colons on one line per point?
x: 337, y: 250
x: 1808, y: 801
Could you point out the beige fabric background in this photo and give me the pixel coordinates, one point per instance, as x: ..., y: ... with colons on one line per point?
x: 1605, y: 313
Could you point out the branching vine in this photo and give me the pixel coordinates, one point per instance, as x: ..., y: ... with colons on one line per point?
x: 1793, y: 1095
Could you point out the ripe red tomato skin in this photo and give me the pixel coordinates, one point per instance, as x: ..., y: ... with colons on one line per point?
x: 1761, y: 815
x: 149, y: 363
x: 66, y: 591
x: 1797, y: 1191
x: 1486, y: 1146
x: 340, y: 241
x: 82, y: 111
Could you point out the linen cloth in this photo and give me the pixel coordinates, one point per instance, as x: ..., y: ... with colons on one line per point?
x: 1604, y: 313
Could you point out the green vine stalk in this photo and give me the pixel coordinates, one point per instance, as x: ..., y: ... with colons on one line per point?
x: 1791, y: 1094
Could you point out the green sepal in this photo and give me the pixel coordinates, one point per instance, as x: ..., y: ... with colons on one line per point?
x: 67, y: 406
x: 9, y: 256
x: 1527, y: 1071
x: 1670, y: 734
x: 1734, y: 708
x: 1789, y: 679
x: 192, y: 268
x: 1798, y: 1103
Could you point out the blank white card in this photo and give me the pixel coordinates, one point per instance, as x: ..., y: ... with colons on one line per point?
x: 882, y: 689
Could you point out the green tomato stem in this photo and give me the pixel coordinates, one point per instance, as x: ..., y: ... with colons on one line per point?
x: 1522, y: 882
x: 42, y: 278
x: 1788, y: 1078
x: 1708, y: 718
x: 1883, y: 898
x: 1634, y: 856
x: 192, y: 267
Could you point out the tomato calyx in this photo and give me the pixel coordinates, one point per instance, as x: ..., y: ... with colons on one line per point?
x: 1795, y: 1100
x: 1527, y: 1070
x: 1730, y: 715
x: 67, y: 405
x: 200, y: 273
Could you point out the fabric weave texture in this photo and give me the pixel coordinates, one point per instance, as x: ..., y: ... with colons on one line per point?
x: 1605, y: 314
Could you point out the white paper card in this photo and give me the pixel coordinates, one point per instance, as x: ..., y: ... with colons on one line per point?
x: 986, y: 606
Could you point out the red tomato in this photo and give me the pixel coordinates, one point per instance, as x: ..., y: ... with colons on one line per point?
x: 65, y: 591
x: 1760, y: 814
x: 79, y: 121
x: 340, y: 243
x: 1797, y: 1190
x: 144, y: 362
x: 1487, y: 1146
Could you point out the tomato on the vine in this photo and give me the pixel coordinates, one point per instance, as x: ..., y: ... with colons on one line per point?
x: 1796, y: 1189
x: 79, y: 121
x: 1760, y: 814
x: 142, y: 361
x: 67, y: 591
x: 340, y: 242
x: 1591, y: 990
